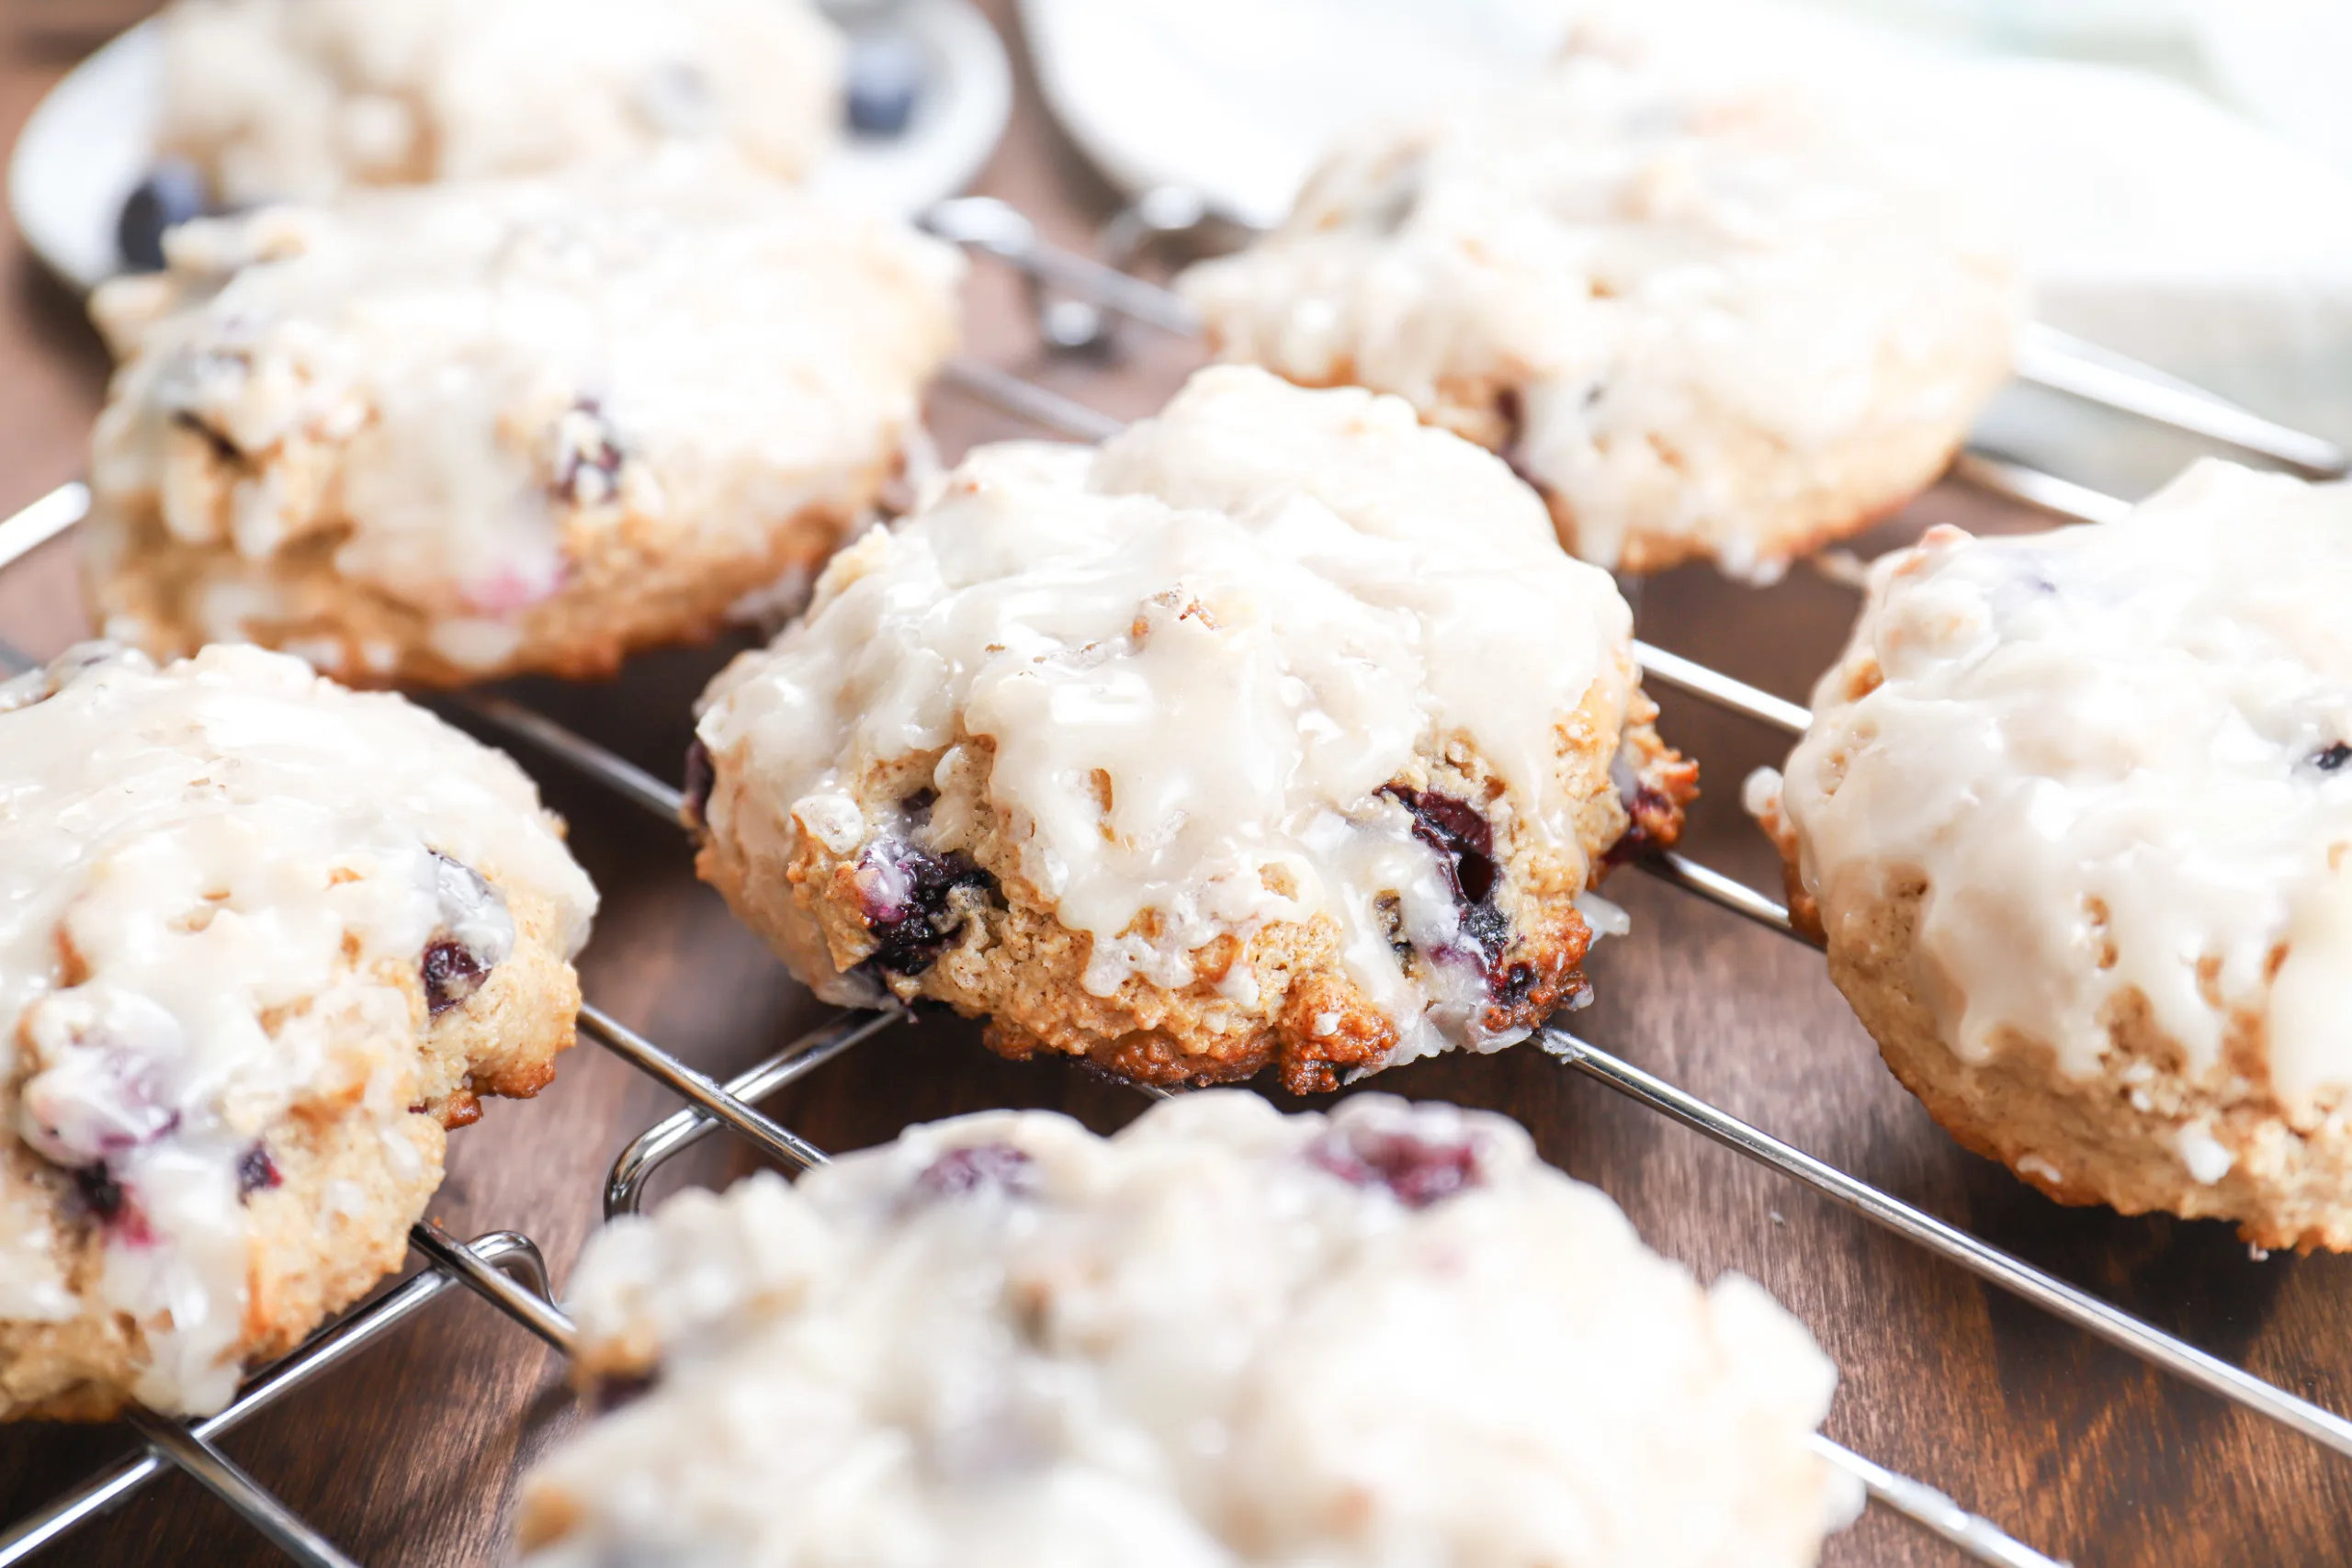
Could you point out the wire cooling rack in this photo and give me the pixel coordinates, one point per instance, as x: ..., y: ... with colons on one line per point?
x: 506, y: 1268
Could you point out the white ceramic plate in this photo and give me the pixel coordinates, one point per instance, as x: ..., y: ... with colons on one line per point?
x: 92, y: 140
x: 1237, y: 99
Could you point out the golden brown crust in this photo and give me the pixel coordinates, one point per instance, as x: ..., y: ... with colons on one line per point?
x: 1012, y: 962
x: 2112, y: 1138
x: 632, y: 583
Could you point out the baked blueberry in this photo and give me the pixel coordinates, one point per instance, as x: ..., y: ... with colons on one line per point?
x: 884, y: 83
x: 905, y: 891
x: 979, y: 1167
x: 256, y: 1172
x: 698, y: 781
x: 171, y: 194
x: 1417, y: 1165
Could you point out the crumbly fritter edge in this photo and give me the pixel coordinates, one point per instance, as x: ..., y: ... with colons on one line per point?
x: 1015, y: 963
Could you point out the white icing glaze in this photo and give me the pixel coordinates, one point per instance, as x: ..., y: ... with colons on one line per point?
x: 2207, y: 1160
x: 473, y: 380
x: 299, y: 98
x: 2134, y: 719
x: 1671, y: 265
x: 1247, y: 615
x: 238, y: 856
x: 1193, y: 1344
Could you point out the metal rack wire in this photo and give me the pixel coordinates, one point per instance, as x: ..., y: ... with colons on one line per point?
x: 505, y: 1268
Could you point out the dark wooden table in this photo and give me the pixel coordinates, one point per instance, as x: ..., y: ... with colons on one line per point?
x: 410, y: 1454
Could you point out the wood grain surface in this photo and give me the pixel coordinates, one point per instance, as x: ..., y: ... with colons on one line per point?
x: 410, y: 1454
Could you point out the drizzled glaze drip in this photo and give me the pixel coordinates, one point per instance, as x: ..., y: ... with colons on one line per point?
x: 476, y: 935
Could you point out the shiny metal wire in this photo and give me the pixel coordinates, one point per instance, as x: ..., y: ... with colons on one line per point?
x: 108, y: 1490
x: 658, y: 1145
x: 220, y: 1475
x: 712, y: 1107
x: 2046, y: 357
